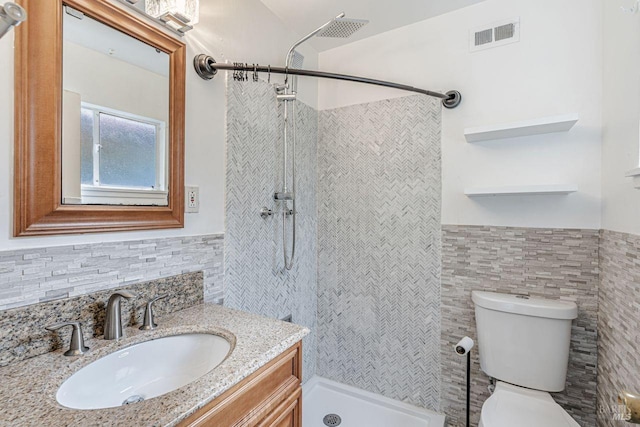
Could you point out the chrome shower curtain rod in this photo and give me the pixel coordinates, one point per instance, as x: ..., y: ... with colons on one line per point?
x: 207, y: 67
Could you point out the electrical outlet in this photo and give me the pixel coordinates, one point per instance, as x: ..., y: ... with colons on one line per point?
x: 192, y: 202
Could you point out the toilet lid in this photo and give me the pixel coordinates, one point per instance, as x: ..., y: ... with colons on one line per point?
x: 511, y: 406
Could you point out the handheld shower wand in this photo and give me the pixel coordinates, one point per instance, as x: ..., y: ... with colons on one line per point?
x: 11, y: 15
x: 340, y: 27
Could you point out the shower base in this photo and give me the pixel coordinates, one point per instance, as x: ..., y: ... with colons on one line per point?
x: 357, y: 408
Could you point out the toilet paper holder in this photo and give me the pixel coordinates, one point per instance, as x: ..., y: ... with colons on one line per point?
x: 631, y: 404
x: 463, y: 347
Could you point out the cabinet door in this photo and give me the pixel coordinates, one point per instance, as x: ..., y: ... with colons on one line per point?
x: 258, y: 400
x: 287, y: 421
x: 288, y: 414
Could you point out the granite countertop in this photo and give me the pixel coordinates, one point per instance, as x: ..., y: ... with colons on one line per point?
x: 28, y: 388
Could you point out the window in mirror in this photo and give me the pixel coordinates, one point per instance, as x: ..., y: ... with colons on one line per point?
x: 121, y: 151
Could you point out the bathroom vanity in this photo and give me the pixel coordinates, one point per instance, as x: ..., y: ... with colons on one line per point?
x: 257, y: 384
x: 269, y: 397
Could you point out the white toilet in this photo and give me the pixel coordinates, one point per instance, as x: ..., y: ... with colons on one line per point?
x: 523, y: 343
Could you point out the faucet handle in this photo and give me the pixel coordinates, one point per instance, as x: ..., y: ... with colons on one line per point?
x: 148, y: 323
x: 124, y: 294
x: 77, y: 347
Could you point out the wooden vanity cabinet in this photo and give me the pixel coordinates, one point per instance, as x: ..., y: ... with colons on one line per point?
x: 270, y: 397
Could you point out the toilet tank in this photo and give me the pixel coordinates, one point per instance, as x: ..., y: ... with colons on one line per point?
x: 524, y: 340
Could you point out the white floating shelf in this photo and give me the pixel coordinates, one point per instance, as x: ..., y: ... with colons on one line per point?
x: 635, y: 174
x: 538, y: 126
x: 522, y: 190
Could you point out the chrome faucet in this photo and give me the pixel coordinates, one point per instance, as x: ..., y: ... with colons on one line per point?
x: 113, y: 320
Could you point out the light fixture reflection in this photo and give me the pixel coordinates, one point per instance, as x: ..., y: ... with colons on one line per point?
x: 182, y: 15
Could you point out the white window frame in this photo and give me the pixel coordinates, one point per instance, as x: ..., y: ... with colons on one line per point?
x: 96, y: 193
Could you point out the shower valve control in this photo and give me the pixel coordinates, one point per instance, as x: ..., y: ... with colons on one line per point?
x: 265, y: 212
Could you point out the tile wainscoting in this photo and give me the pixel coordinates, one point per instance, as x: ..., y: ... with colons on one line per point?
x: 553, y: 263
x: 618, y: 323
x: 598, y: 270
x: 30, y: 276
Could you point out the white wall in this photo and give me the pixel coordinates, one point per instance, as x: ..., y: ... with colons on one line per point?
x: 234, y: 30
x: 621, y: 117
x: 94, y: 75
x: 556, y: 68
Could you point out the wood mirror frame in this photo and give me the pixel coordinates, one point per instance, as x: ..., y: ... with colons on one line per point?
x: 38, y: 208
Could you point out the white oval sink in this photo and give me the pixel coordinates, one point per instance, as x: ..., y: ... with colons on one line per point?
x: 143, y: 371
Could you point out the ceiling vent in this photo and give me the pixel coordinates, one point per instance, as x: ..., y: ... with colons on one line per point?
x: 494, y: 35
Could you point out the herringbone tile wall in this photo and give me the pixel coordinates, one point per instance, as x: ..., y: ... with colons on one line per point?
x: 255, y: 279
x: 379, y: 248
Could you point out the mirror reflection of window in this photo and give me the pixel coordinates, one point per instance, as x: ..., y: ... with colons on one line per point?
x: 121, y: 150
x: 115, y: 115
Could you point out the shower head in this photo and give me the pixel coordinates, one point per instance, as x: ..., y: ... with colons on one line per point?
x: 11, y: 15
x: 297, y: 60
x: 342, y: 28
x: 338, y: 27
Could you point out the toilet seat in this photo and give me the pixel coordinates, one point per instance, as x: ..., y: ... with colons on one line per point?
x: 513, y: 406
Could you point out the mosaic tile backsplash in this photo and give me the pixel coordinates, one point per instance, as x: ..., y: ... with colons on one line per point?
x: 379, y: 248
x: 22, y: 333
x: 549, y: 263
x: 618, y: 323
x: 29, y: 276
x: 255, y: 278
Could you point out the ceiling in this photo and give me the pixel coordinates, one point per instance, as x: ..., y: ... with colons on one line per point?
x: 97, y: 36
x: 304, y: 16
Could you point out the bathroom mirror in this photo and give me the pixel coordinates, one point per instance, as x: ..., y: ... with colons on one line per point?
x: 99, y: 97
x: 115, y: 112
